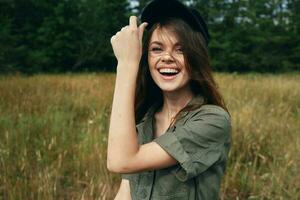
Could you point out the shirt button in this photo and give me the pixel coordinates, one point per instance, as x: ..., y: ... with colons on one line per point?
x: 143, y: 193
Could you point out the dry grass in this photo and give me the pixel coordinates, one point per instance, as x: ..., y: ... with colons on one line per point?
x: 53, y: 131
x: 264, y: 159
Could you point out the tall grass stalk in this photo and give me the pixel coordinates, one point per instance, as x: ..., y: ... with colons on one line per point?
x: 53, y: 131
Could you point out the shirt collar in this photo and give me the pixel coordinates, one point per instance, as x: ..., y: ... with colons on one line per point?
x: 147, y: 122
x: 197, y: 99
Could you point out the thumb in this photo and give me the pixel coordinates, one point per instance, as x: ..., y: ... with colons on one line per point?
x: 141, y: 30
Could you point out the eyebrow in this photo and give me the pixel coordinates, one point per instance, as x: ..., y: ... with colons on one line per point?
x: 156, y: 42
x: 159, y: 43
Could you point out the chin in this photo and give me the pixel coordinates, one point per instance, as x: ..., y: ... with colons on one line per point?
x: 177, y: 84
x: 170, y: 87
x: 168, y: 90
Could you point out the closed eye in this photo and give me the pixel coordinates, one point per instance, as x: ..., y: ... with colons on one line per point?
x: 179, y: 50
x: 156, y: 49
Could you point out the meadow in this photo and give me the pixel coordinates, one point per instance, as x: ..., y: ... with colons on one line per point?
x: 53, y: 131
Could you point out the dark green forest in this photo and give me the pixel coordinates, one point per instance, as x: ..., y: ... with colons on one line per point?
x: 52, y: 36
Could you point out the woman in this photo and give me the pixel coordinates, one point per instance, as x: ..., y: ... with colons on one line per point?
x: 169, y: 131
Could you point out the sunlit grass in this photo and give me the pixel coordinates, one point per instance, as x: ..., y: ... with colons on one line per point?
x: 264, y: 159
x: 53, y: 131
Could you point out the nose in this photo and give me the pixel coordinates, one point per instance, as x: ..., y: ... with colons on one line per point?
x: 167, y: 57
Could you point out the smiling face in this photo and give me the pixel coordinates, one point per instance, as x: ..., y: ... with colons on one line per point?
x: 166, y: 61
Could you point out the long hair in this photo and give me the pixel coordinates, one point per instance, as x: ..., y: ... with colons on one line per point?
x: 198, y: 66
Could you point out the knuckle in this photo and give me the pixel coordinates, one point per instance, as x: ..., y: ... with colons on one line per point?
x: 133, y: 30
x: 125, y: 28
x: 112, y: 39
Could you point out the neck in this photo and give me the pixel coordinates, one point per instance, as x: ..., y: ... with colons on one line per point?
x: 175, y: 101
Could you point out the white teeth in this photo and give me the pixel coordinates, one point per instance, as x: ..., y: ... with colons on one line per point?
x: 168, y: 70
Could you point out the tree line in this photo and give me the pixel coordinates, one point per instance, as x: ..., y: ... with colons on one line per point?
x: 74, y: 35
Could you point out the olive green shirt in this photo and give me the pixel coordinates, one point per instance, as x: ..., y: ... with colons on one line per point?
x: 199, y: 141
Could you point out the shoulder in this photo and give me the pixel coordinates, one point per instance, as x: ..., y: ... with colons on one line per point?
x: 209, y: 120
x: 209, y: 110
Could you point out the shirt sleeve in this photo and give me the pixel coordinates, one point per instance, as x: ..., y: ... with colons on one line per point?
x: 198, y: 144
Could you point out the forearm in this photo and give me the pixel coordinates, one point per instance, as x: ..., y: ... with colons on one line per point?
x: 122, y: 139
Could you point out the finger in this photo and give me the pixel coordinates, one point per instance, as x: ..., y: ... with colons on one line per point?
x: 133, y: 21
x: 125, y: 27
x: 112, y: 39
x: 141, y: 30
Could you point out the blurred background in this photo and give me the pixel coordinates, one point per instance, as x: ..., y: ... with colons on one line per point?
x: 57, y: 74
x: 74, y: 35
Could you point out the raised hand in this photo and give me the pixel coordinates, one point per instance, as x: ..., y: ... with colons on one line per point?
x: 127, y: 43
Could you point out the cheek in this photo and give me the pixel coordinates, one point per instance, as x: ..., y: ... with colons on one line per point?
x: 181, y: 61
x: 186, y: 74
x: 151, y: 63
x: 151, y: 66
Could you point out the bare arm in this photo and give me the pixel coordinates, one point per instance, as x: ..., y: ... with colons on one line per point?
x: 124, y: 153
x: 124, y: 191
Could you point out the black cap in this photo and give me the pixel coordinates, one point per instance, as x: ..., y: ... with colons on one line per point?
x: 158, y: 10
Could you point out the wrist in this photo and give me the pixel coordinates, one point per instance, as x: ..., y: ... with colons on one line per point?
x: 127, y: 74
x: 128, y: 64
x: 129, y: 68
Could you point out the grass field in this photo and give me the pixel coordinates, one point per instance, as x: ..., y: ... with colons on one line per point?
x: 53, y: 131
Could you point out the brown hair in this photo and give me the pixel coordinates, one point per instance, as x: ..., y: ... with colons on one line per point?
x: 197, y: 62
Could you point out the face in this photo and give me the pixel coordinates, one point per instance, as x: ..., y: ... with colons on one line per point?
x: 166, y: 61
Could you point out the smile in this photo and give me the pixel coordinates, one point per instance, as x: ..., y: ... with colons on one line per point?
x: 168, y: 71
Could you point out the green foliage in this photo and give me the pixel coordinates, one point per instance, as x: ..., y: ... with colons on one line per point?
x: 56, y: 36
x: 74, y: 35
x: 253, y: 35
